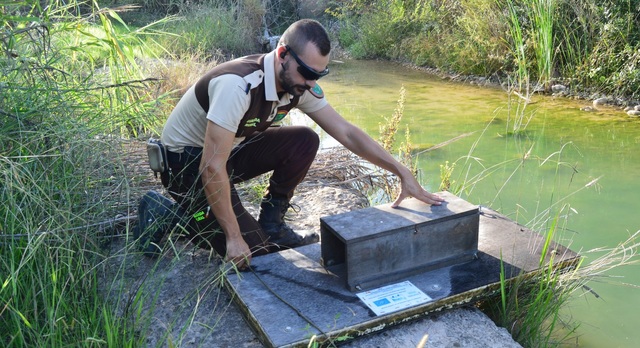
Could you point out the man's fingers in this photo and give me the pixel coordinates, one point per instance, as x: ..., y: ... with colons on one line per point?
x: 243, y: 262
x: 428, y: 198
x: 434, y: 199
x: 398, y: 200
x: 240, y: 262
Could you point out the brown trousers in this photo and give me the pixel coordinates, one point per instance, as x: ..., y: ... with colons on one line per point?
x: 287, y: 151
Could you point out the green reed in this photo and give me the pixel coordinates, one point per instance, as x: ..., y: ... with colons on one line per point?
x: 542, y: 17
x: 539, y: 15
x: 62, y: 172
x: 518, y: 48
x: 531, y: 303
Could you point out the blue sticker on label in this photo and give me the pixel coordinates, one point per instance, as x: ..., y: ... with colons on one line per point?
x: 381, y: 302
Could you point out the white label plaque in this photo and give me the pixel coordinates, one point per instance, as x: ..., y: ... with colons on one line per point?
x: 394, y: 297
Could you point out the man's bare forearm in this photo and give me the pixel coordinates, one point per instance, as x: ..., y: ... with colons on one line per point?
x: 218, y: 192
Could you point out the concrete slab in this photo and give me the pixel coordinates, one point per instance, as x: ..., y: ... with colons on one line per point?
x: 290, y: 298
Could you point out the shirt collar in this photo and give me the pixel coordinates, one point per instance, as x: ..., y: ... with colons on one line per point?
x: 270, y: 92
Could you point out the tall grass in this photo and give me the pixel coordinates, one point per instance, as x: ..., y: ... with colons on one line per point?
x: 211, y: 31
x: 542, y: 17
x: 61, y: 172
x: 576, y: 26
x: 532, y: 24
x: 518, y: 48
x: 388, y: 131
x: 85, y: 51
x: 54, y: 188
x: 530, y: 305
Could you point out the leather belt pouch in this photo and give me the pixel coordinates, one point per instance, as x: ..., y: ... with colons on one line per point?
x: 157, y: 156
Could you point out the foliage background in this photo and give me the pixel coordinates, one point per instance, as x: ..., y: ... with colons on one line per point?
x: 595, y: 44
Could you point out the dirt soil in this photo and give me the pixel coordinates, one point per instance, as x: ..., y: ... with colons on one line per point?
x: 177, y: 299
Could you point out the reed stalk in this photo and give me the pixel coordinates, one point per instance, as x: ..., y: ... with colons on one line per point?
x: 61, y: 171
x: 387, y: 139
x: 542, y: 14
x: 518, y: 48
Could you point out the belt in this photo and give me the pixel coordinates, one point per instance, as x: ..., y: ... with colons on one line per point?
x: 187, y: 156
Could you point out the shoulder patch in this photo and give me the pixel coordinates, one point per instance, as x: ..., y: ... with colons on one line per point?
x: 317, y: 91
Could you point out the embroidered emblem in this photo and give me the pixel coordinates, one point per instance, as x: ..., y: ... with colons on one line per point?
x: 280, y: 115
x: 252, y: 123
x: 199, y: 216
x: 317, y: 91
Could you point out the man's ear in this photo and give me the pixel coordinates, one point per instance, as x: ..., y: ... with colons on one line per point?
x: 283, y: 51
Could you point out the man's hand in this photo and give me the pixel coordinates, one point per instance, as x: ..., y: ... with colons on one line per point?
x: 409, y: 187
x: 238, y: 253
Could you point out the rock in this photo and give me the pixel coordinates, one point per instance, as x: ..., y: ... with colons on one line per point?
x: 538, y: 88
x: 599, y: 102
x: 637, y: 107
x: 633, y: 113
x: 558, y: 88
x: 462, y: 327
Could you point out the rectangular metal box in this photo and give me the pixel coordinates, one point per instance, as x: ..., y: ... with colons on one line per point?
x: 378, y: 245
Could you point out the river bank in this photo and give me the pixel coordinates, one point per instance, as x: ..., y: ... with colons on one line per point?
x: 562, y: 87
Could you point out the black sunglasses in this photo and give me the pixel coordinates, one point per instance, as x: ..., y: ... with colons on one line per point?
x: 306, y: 71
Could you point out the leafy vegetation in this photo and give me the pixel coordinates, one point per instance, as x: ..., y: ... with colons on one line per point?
x: 589, y: 44
x: 69, y: 89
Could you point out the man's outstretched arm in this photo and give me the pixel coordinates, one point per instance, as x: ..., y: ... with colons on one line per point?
x: 358, y: 142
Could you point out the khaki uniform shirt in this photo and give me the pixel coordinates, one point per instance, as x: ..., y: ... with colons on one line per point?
x: 239, y: 96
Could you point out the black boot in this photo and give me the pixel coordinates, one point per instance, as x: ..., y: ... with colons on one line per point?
x: 271, y: 220
x: 156, y: 216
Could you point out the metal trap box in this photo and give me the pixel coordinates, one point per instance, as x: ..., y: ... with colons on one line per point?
x: 379, y: 245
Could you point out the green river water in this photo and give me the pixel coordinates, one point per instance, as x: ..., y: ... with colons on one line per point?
x: 565, y: 150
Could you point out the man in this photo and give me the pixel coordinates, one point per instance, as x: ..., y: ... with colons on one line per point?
x: 219, y: 134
